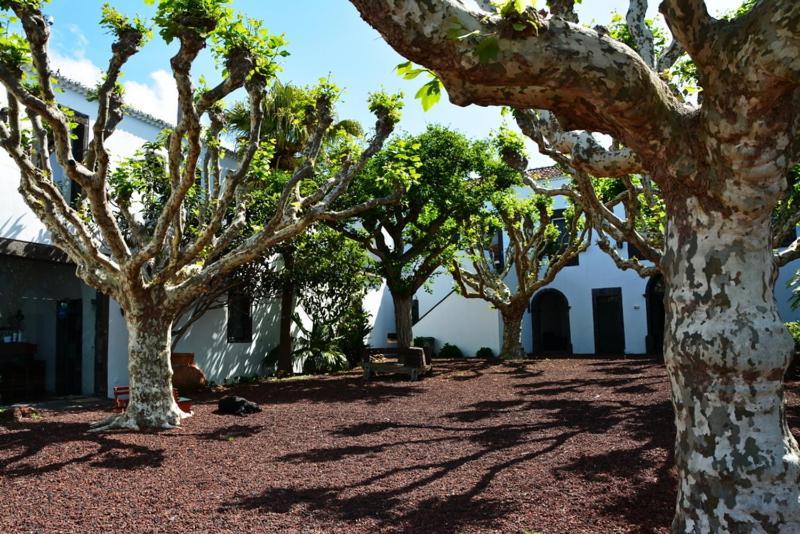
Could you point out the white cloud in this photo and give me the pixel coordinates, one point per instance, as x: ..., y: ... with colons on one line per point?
x: 158, y: 98
x: 76, y: 68
x: 81, y: 41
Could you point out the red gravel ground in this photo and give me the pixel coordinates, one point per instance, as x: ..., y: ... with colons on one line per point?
x: 548, y: 446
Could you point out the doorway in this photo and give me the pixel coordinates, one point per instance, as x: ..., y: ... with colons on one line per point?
x: 654, y: 300
x: 609, y: 326
x: 550, y: 315
x: 69, y: 345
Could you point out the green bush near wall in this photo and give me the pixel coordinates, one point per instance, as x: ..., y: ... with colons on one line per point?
x: 450, y: 351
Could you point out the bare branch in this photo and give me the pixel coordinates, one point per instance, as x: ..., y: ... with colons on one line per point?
x: 610, y: 88
x: 641, y: 33
x: 576, y: 149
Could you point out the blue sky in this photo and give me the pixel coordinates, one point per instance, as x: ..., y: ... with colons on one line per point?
x: 326, y: 38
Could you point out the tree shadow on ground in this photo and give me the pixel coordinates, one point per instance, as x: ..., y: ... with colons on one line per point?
x: 33, y: 439
x: 230, y: 432
x: 324, y: 389
x: 488, y: 440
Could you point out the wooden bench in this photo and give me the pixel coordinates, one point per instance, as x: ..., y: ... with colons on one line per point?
x: 122, y: 394
x: 413, y: 361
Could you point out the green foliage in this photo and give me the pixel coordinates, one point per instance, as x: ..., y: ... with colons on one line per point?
x: 319, y: 350
x: 14, y: 51
x: 325, y: 362
x: 509, y: 8
x: 354, y: 327
x: 744, y: 8
x: 30, y: 4
x: 682, y: 76
x: 442, y: 171
x: 485, y: 353
x: 794, y: 330
x: 450, y: 351
x: 290, y: 115
x: 118, y: 24
x: 198, y: 16
x: 387, y: 105
x: 487, y: 49
x: 143, y: 179
x: 329, y: 273
x: 431, y: 92
x: 241, y: 35
x: 619, y: 30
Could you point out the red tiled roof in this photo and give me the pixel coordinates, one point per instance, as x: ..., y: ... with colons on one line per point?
x: 546, y: 173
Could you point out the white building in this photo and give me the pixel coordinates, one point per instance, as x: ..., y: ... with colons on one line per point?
x: 76, y: 336
x: 592, y: 307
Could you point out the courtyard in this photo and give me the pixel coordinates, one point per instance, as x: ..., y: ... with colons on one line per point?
x: 562, y: 445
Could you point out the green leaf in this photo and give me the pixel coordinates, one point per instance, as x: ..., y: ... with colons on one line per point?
x: 487, y: 50
x: 429, y: 94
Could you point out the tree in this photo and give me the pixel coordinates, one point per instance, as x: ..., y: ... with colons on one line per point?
x: 328, y: 277
x: 153, y: 264
x: 412, y: 239
x: 539, y: 243
x: 721, y: 167
x: 537, y: 250
x: 289, y: 118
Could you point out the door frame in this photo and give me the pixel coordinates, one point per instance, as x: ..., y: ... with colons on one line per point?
x: 605, y: 292
x: 536, y: 333
x: 653, y: 348
x: 62, y: 385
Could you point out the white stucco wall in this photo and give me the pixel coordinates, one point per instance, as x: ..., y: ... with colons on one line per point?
x: 220, y: 360
x: 378, y: 303
x: 16, y: 219
x: 468, y: 324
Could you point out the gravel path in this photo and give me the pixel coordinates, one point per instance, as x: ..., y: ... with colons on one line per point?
x: 549, y: 446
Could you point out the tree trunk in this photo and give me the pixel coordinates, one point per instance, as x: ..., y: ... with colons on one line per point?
x: 152, y: 404
x: 402, y: 319
x: 512, y: 333
x: 726, y: 351
x: 285, y: 363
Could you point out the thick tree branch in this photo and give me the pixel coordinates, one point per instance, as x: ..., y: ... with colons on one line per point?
x: 591, y: 81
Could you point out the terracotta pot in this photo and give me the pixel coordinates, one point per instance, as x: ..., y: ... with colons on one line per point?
x: 186, y: 375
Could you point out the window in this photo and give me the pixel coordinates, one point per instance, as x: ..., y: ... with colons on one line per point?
x: 414, y: 311
x: 498, y: 251
x: 79, y: 142
x: 788, y: 238
x: 560, y: 222
x: 240, y: 320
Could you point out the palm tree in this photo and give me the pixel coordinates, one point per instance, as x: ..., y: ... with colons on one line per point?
x: 289, y: 113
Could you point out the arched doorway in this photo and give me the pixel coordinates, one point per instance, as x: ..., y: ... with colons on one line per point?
x: 550, y: 315
x: 654, y: 297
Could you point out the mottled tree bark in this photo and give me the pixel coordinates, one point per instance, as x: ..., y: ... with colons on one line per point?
x: 402, y: 319
x: 721, y: 166
x: 512, y: 333
x: 726, y: 351
x: 151, y: 403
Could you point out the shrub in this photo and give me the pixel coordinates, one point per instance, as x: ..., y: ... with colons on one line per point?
x: 794, y: 366
x: 485, y: 352
x: 354, y: 327
x: 450, y: 351
x: 794, y: 330
x: 329, y: 361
